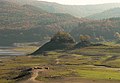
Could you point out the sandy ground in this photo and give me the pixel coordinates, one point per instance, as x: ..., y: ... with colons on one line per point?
x: 32, y: 79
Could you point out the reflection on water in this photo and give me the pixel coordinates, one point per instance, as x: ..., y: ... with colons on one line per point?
x: 9, y: 51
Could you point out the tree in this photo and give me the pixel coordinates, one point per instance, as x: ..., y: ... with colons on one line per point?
x: 84, y: 41
x: 117, y: 35
x: 62, y: 37
x: 84, y: 38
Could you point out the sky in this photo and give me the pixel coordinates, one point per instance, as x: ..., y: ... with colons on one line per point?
x: 82, y: 2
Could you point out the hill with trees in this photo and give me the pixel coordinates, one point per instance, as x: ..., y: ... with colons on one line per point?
x: 84, y: 41
x: 98, y: 30
x: 26, y: 16
x: 63, y: 41
x: 115, y: 12
x: 75, y: 10
x: 27, y: 23
x: 22, y: 23
x: 59, y: 41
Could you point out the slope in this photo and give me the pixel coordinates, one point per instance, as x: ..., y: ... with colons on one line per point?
x: 75, y: 10
x: 115, y: 12
x: 98, y: 30
x: 26, y: 23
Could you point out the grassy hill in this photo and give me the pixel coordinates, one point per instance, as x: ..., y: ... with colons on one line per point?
x: 115, y: 12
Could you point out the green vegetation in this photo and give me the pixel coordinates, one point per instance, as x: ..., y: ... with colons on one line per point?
x: 97, y: 63
x: 60, y: 58
x: 88, y: 63
x: 62, y: 37
x: 12, y: 68
x: 99, y: 74
x: 101, y: 30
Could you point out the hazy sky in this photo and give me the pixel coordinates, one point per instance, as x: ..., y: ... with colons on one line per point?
x: 82, y: 2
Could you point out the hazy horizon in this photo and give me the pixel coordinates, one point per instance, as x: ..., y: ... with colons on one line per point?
x: 82, y: 2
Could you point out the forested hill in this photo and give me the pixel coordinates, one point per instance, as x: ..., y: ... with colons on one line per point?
x: 27, y: 23
x: 21, y: 23
x: 99, y: 30
x: 15, y: 16
x: 75, y: 10
x: 20, y: 1
x: 115, y: 12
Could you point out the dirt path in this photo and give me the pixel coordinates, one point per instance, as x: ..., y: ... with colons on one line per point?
x: 33, y: 77
x: 65, y: 80
x: 35, y: 73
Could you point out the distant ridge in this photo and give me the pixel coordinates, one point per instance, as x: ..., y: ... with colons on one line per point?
x: 115, y: 12
x: 75, y: 10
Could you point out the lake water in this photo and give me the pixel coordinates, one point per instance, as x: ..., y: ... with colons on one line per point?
x: 9, y: 51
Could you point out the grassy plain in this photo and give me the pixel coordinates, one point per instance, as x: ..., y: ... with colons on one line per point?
x: 96, y: 63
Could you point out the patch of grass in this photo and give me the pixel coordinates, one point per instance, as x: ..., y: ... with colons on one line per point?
x: 113, y: 63
x: 27, y: 49
x: 99, y: 74
x: 6, y: 81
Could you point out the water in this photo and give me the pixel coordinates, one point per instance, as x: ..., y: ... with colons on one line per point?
x: 9, y: 51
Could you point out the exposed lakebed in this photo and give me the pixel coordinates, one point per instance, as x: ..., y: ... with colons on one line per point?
x: 9, y: 51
